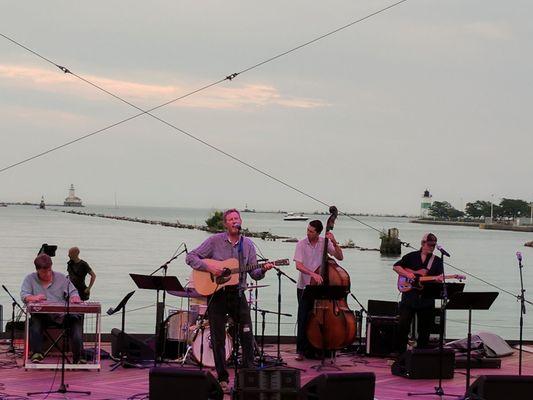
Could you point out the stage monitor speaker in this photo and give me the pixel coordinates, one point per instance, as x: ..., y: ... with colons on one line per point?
x: 381, y: 334
x: 340, y: 386
x: 269, y: 384
x: 166, y: 383
x: 382, y: 308
x: 424, y: 364
x: 134, y: 349
x: 498, y: 387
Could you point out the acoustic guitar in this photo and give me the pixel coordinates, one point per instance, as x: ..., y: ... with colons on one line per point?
x: 206, y: 283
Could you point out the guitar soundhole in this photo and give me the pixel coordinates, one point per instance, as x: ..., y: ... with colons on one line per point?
x: 226, y: 272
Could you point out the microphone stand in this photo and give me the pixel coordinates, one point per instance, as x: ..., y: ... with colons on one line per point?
x: 159, y: 320
x: 522, y: 299
x: 13, y: 304
x: 439, y: 391
x: 262, y: 358
x: 368, y: 318
x: 279, y: 360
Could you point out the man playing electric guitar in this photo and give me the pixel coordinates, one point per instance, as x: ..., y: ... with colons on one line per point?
x: 422, y: 263
x: 227, y: 300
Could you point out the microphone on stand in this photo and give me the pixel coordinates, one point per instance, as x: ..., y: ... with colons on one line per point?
x: 237, y: 226
x: 444, y: 252
x: 519, y: 256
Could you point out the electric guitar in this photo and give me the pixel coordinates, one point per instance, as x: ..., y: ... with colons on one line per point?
x: 406, y: 284
x: 206, y: 283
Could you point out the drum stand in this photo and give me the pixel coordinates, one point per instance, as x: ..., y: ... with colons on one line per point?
x: 200, y: 327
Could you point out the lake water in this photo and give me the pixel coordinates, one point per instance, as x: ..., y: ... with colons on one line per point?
x: 116, y: 248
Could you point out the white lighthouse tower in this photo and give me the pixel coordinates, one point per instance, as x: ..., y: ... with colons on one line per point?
x: 72, y: 200
x: 425, y: 204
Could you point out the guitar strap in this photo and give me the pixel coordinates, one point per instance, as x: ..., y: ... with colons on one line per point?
x: 242, y: 275
x: 430, y: 263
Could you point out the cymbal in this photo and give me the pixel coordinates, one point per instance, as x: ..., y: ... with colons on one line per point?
x: 250, y: 287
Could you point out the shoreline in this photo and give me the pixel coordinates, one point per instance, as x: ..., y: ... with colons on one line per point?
x: 265, y: 235
x: 495, y: 227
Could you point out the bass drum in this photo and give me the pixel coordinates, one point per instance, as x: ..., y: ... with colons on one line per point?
x: 178, y: 324
x: 208, y: 359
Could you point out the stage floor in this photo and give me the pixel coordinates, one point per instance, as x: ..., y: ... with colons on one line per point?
x: 132, y: 383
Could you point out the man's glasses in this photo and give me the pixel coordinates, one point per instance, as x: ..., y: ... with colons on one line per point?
x: 431, y: 244
x: 44, y: 268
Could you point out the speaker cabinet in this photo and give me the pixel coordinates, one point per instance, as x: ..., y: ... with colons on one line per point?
x: 498, y: 387
x: 340, y: 386
x: 381, y: 336
x: 269, y: 384
x: 381, y: 308
x: 177, y: 383
x: 424, y: 364
x: 134, y: 349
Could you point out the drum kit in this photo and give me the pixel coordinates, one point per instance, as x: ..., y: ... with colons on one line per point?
x: 190, y: 327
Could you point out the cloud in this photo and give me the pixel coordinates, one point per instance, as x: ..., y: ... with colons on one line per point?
x: 454, y: 35
x: 489, y: 30
x: 250, y: 95
x: 38, y: 115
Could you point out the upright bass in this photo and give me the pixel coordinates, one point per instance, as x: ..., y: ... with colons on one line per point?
x: 331, y: 324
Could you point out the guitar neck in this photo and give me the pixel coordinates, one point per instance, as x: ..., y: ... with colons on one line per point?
x: 434, y: 277
x: 245, y: 268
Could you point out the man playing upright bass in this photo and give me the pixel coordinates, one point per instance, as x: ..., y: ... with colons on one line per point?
x: 308, y: 258
x: 228, y: 300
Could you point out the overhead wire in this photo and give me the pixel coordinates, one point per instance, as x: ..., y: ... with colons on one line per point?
x: 229, y: 77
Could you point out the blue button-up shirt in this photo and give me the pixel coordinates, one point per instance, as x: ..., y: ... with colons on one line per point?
x: 54, y: 293
x: 219, y: 247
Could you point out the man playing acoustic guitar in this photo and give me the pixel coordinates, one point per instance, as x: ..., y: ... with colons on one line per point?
x: 417, y: 264
x: 227, y: 300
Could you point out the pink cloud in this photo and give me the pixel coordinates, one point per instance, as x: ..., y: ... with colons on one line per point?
x: 219, y: 97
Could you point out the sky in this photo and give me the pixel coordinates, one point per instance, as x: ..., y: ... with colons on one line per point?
x: 429, y: 94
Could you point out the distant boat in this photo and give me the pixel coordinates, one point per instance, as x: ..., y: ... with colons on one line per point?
x: 295, y: 217
x: 3, y: 205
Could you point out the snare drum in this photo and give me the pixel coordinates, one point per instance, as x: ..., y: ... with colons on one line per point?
x: 178, y: 324
x: 208, y: 359
x: 199, y: 306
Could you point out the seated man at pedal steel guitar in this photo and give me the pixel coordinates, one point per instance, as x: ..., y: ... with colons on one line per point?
x: 228, y: 300
x: 46, y: 285
x: 418, y: 263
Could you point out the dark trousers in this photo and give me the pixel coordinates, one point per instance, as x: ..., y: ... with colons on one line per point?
x: 221, y: 304
x: 305, y: 306
x: 39, y: 322
x: 424, y: 315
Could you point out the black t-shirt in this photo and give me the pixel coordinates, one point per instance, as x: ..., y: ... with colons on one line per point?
x: 77, y: 273
x: 413, y: 261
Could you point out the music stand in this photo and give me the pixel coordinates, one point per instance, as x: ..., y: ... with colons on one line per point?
x: 323, y: 292
x: 157, y: 283
x: 433, y: 290
x: 470, y: 301
x: 111, y: 311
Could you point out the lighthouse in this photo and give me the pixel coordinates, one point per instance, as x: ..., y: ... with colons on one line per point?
x: 425, y: 204
x: 72, y: 200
